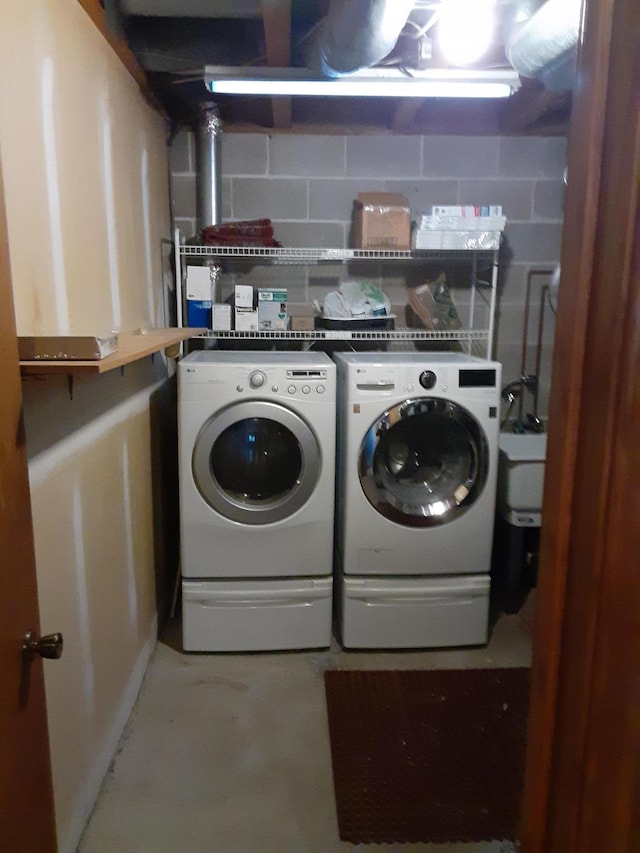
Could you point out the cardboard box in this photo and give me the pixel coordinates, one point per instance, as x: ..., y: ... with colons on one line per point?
x: 66, y: 347
x: 382, y: 221
x: 272, y: 309
x: 301, y: 318
x: 221, y: 317
x: 246, y: 320
x: 243, y: 296
x: 199, y: 313
x: 198, y: 284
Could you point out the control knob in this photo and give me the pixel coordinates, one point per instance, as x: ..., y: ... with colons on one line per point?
x: 428, y: 379
x: 257, y: 379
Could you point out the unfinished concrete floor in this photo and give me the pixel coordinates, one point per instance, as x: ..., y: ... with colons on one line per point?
x: 229, y: 753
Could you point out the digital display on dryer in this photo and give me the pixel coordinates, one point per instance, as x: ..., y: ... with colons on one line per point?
x: 483, y: 378
x: 306, y: 374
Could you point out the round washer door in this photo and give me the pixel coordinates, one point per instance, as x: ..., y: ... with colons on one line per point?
x: 256, y: 462
x: 424, y: 462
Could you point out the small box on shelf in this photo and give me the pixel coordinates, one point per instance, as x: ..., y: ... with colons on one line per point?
x: 272, y: 309
x: 221, y: 317
x: 382, y: 221
x: 301, y: 318
x: 199, y: 283
x: 246, y: 320
x: 243, y: 296
x: 199, y: 313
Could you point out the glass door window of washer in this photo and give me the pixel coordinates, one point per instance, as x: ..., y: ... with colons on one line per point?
x: 424, y: 462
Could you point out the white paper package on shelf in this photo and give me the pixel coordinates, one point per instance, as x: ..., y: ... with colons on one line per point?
x: 456, y: 240
x: 455, y: 231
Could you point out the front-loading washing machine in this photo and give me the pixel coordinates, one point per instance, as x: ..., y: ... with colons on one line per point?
x: 256, y: 476
x: 417, y: 464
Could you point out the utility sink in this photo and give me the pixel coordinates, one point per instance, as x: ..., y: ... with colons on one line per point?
x: 518, y: 519
x: 521, y: 476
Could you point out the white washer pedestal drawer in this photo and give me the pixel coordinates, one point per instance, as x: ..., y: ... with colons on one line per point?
x: 250, y: 615
x: 395, y: 613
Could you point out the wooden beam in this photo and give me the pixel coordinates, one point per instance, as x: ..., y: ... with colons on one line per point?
x: 405, y: 114
x: 529, y: 106
x: 276, y: 16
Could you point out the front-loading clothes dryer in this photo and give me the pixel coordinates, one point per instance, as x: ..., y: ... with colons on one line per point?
x: 256, y: 476
x: 417, y: 463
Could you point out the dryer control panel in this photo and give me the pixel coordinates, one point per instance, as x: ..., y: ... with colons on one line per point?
x: 225, y: 377
x: 306, y: 381
x: 294, y: 382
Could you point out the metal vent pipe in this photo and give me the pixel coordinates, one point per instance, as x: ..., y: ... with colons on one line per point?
x: 208, y: 171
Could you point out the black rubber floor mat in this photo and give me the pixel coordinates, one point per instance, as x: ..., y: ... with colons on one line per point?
x: 428, y: 755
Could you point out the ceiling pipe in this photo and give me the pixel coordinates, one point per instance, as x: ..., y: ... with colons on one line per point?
x: 358, y: 34
x: 541, y: 40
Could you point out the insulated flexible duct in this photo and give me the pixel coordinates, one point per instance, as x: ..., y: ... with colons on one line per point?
x: 358, y: 34
x: 541, y: 42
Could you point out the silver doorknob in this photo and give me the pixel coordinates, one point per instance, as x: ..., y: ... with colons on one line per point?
x: 49, y: 646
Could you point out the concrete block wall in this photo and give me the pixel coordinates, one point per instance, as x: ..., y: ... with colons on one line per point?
x: 307, y: 185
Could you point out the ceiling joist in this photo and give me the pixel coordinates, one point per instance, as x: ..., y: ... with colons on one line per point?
x: 276, y: 16
x: 533, y: 106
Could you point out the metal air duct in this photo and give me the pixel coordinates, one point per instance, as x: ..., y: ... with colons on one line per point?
x: 208, y: 144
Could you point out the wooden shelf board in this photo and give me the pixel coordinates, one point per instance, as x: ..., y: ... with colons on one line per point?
x: 132, y: 346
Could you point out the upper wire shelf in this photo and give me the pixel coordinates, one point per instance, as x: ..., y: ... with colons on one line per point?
x: 307, y: 255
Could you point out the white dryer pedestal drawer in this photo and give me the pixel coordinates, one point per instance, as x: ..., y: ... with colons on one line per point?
x: 252, y: 616
x: 400, y: 613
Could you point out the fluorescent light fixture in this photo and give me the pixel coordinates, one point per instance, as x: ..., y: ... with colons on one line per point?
x: 372, y: 82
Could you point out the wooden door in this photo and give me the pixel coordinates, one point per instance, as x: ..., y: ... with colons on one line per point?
x: 582, y: 792
x: 26, y: 795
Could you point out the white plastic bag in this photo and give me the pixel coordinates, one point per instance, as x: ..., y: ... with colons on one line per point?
x: 356, y: 300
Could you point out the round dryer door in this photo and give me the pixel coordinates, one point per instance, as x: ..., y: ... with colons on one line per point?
x: 424, y: 462
x: 256, y: 462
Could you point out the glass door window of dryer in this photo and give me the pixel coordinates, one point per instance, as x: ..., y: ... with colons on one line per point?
x: 256, y: 462
x: 424, y: 462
